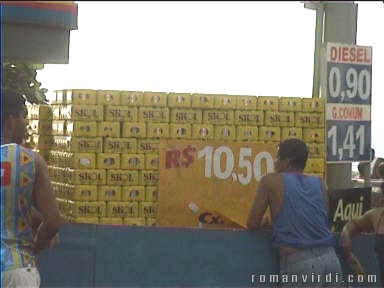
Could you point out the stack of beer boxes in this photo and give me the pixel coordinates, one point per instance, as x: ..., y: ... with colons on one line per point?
x: 39, y: 129
x: 105, y: 161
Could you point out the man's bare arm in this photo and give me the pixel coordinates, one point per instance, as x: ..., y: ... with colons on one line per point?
x: 259, y: 205
x: 45, y: 204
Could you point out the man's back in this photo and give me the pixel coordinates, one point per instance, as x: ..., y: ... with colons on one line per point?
x: 18, y: 168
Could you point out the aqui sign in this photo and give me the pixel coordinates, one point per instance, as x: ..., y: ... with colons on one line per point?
x: 348, y: 102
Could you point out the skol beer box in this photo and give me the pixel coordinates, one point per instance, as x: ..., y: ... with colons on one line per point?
x: 43, y: 127
x: 148, y: 209
x: 80, y: 96
x: 64, y: 206
x: 150, y: 221
x: 58, y: 128
x: 313, y: 135
x: 120, y: 113
x: 108, y: 161
x: 152, y: 161
x: 268, y: 103
x: 291, y: 132
x: 133, y: 193
x: 315, y: 166
x: 56, y: 112
x: 151, y: 193
x: 39, y: 112
x: 82, y: 112
x: 202, y: 131
x: 313, y: 105
x: 120, y: 145
x: 111, y: 221
x: 89, y: 177
x: 81, y: 128
x: 290, y: 104
x: 89, y: 209
x: 157, y: 130
x: 149, y: 177
x: 247, y: 133
x: 246, y: 103
x: 134, y: 130
x: 316, y: 150
x: 269, y: 134
x: 275, y: 118
x: 225, y: 132
x: 249, y: 117
x: 132, y: 98
x: 186, y: 116
x: 109, y: 129
x: 134, y: 221
x: 181, y: 131
x: 179, y: 100
x: 84, y: 193
x: 109, y: 193
x: 218, y: 117
x: 85, y: 220
x: 205, y: 101
x: 148, y: 146
x: 123, y: 209
x: 108, y: 97
x: 158, y: 99
x: 78, y: 144
x: 122, y: 177
x: 82, y: 160
x: 132, y: 161
x: 224, y: 102
x: 309, y: 120
x: 154, y: 114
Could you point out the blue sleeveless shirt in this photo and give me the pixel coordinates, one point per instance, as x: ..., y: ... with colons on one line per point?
x: 303, y: 220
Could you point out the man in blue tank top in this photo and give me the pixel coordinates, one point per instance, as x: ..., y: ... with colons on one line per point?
x: 301, y: 229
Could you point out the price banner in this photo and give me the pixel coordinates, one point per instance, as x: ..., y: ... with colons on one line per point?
x: 348, y: 106
x: 210, y: 175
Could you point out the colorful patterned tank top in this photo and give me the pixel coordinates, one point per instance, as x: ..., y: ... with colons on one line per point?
x: 17, y: 182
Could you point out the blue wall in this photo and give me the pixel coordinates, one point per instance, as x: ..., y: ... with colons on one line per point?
x: 94, y: 255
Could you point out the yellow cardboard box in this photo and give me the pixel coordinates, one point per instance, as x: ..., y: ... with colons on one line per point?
x: 82, y: 160
x: 82, y: 112
x: 150, y: 221
x: 316, y: 150
x: 313, y: 135
x: 281, y: 119
x: 109, y: 129
x: 154, y: 114
x: 249, y: 117
x: 109, y: 193
x: 58, y: 128
x: 182, y: 131
x: 291, y: 132
x: 148, y: 146
x: 132, y: 161
x: 133, y: 193
x: 132, y: 98
x: 108, y: 161
x: 149, y: 177
x: 225, y: 102
x: 120, y: 145
x: 78, y: 96
x: 268, y: 103
x: 84, y: 193
x: 122, y: 177
x: 202, y: 131
x: 134, y: 130
x: 56, y: 112
x: 88, y: 177
x: 186, y: 116
x: 151, y: 193
x: 134, y: 221
x: 314, y: 166
x: 85, y: 220
x: 152, y: 161
x: 309, y: 120
x: 179, y: 100
x: 158, y: 99
x: 313, y: 105
x: 219, y: 117
x: 247, y: 133
x: 89, y: 209
x: 269, y: 134
x: 111, y: 221
x: 43, y: 127
x: 203, y: 101
x: 225, y: 132
x: 80, y: 128
x: 108, y: 97
x: 39, y: 112
x: 123, y: 209
x: 158, y: 130
x: 120, y: 113
x: 290, y: 104
x: 148, y: 209
x: 40, y: 141
x: 77, y: 144
x: 246, y: 103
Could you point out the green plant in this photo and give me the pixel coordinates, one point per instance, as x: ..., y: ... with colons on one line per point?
x: 21, y: 80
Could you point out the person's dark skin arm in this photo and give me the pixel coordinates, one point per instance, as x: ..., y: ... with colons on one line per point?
x: 259, y: 206
x: 45, y: 204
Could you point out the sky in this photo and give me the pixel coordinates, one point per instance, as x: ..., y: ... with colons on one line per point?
x: 238, y: 48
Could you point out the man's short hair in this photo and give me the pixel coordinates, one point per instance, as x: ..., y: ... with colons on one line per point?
x: 13, y: 105
x: 295, y: 151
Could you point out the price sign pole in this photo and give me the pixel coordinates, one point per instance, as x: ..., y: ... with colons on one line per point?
x: 348, y: 103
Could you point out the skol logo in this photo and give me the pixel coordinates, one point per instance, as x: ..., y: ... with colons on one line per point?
x: 210, y: 218
x: 180, y: 158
